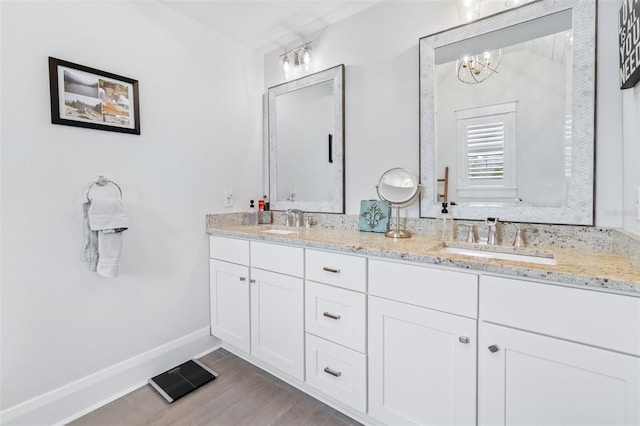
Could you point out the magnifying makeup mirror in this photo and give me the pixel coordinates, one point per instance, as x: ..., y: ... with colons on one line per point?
x: 400, y: 188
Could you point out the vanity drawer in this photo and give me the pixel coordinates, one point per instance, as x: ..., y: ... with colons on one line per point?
x: 336, y: 314
x: 337, y: 371
x: 337, y: 269
x: 439, y: 289
x: 600, y: 319
x: 229, y: 249
x: 286, y: 260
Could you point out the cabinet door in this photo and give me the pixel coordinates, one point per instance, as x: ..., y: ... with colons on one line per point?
x: 529, y: 379
x: 277, y: 321
x: 422, y: 365
x: 229, y: 304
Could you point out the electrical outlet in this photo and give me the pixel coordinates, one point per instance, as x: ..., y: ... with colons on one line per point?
x: 228, y: 198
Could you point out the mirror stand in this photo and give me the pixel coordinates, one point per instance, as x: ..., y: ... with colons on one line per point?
x: 400, y: 188
x: 397, y: 233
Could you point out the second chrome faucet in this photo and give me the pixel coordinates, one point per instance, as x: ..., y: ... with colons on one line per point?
x: 298, y: 218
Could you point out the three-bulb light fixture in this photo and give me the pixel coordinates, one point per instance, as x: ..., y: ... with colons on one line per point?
x: 296, y: 62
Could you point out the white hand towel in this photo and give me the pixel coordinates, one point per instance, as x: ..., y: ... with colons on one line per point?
x: 90, y: 251
x: 109, y: 218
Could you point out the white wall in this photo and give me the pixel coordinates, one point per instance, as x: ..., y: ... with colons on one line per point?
x: 200, y: 99
x: 379, y: 48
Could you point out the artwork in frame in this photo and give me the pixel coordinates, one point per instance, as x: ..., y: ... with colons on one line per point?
x: 86, y: 97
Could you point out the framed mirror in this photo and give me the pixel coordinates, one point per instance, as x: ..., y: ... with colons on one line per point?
x: 507, y: 113
x: 306, y: 143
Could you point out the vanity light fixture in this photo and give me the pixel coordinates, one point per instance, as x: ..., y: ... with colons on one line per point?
x: 302, y: 61
x: 468, y: 10
x: 477, y: 68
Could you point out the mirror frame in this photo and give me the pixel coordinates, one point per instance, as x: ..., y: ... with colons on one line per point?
x: 579, y: 207
x: 335, y: 74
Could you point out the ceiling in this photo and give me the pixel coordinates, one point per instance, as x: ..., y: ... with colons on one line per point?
x: 267, y: 25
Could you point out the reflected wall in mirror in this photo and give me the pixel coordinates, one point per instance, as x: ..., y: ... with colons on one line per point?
x: 519, y: 143
x: 306, y: 143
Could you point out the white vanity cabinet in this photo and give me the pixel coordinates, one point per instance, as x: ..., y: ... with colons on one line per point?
x: 396, y: 342
x: 256, y: 300
x: 336, y: 324
x: 551, y: 355
x: 422, y: 344
x: 229, y: 291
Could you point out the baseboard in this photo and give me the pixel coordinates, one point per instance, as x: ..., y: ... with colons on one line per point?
x: 82, y: 396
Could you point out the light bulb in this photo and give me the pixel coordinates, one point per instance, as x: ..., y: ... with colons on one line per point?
x: 286, y: 67
x: 306, y: 55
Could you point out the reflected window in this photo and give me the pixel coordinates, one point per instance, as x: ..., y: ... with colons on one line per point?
x: 486, y: 140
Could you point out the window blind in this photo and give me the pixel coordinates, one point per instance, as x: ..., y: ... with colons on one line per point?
x: 485, y: 150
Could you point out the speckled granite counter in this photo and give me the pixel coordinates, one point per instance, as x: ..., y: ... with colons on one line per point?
x: 602, y: 269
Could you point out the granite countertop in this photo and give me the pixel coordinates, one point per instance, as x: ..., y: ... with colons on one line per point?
x: 603, y: 270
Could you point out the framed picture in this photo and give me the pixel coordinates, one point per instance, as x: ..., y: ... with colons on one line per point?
x: 87, y: 97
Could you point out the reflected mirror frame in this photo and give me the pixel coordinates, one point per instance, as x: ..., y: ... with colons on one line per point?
x: 579, y: 208
x: 335, y: 74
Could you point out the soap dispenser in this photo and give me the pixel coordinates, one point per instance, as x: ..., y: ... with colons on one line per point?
x: 444, y: 224
x: 252, y: 214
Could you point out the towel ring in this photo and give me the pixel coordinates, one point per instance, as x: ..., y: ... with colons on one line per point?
x: 102, y: 181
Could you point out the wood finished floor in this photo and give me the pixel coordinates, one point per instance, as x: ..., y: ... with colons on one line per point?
x: 242, y: 395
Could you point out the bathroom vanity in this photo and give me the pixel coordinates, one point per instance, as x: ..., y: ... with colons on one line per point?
x: 402, y: 332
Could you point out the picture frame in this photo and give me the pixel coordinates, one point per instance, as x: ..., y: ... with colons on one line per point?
x: 82, y: 96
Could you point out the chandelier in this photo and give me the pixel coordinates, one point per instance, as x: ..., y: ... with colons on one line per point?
x: 477, y: 68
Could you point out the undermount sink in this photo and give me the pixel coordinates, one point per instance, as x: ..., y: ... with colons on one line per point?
x: 487, y: 253
x: 279, y: 231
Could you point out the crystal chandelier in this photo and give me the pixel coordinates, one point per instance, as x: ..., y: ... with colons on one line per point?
x: 477, y: 68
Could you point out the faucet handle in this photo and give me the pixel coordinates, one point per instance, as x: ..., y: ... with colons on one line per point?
x: 471, y: 235
x: 287, y: 220
x: 519, y: 240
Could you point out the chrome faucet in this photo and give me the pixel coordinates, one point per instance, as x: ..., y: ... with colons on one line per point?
x: 492, y: 235
x: 298, y: 217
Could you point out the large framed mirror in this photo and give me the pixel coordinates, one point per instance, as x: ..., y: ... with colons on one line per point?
x: 306, y: 143
x: 507, y: 115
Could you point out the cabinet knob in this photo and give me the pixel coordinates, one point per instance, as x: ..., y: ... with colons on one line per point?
x: 493, y: 349
x: 332, y: 372
x: 463, y: 339
x: 332, y: 270
x: 243, y: 278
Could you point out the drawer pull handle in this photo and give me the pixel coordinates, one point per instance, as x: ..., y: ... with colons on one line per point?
x: 493, y: 349
x: 334, y: 373
x: 332, y: 270
x: 243, y: 278
x: 463, y: 339
x: 332, y: 316
x: 252, y: 281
